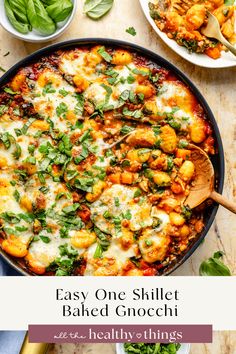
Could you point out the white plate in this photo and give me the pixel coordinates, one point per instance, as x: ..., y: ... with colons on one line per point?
x: 226, y: 60
x: 184, y: 349
x: 34, y: 36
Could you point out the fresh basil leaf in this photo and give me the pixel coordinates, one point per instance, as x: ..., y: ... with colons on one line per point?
x: 10, y: 91
x: 79, y: 108
x: 19, y: 9
x: 106, y: 56
x: 18, y: 25
x: 83, y: 155
x: 126, y: 129
x: 131, y: 30
x: 48, y: 89
x: 61, y: 109
x: 63, y: 92
x: 45, y: 239
x: 137, y: 193
x: 98, y: 252
x: 214, y: 267
x: 140, y: 72
x: 95, y: 9
x: 38, y: 17
x: 7, y: 139
x: 44, y: 189
x: 130, y: 79
x: 136, y: 114
x: 3, y: 109
x: 124, y: 95
x: 60, y: 10
x: 16, y: 195
x: 17, y: 152
x: 71, y: 209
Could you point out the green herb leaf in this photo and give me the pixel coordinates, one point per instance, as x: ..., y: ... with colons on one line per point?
x: 98, y: 252
x: 60, y: 10
x: 45, y: 239
x: 71, y: 209
x: 3, y: 109
x: 126, y: 129
x: 229, y: 2
x: 17, y: 152
x: 131, y: 30
x: 9, y: 90
x: 48, y: 89
x: 106, y: 56
x: 136, y: 114
x: 61, y: 109
x: 19, y: 25
x: 137, y: 193
x: 16, y: 195
x: 63, y: 92
x: 38, y: 17
x: 95, y: 9
x: 214, y: 266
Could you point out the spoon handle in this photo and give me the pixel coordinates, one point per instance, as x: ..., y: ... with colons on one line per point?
x: 218, y: 198
x: 228, y: 45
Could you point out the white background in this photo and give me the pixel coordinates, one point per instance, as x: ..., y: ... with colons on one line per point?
x: 32, y: 300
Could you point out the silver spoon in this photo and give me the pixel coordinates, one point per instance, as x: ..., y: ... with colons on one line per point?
x: 212, y: 30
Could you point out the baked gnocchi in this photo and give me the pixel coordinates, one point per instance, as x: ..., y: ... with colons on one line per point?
x: 182, y: 22
x: 95, y: 164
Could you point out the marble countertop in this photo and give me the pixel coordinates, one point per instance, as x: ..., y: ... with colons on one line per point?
x: 216, y: 85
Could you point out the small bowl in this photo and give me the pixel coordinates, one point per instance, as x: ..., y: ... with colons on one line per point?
x: 34, y: 36
x: 184, y: 349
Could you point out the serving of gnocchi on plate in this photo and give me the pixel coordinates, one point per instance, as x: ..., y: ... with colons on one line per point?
x: 179, y: 23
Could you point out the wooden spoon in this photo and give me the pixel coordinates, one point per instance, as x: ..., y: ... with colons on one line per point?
x: 203, y: 186
x: 109, y: 146
x: 212, y: 30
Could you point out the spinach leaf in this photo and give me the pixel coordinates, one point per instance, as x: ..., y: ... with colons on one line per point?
x: 95, y: 9
x: 38, y: 17
x: 60, y: 10
x: 214, y: 266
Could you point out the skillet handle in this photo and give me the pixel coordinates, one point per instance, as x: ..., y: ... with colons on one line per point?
x: 218, y: 198
x: 33, y: 348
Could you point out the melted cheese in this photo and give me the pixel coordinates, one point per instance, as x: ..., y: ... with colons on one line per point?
x: 140, y: 215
